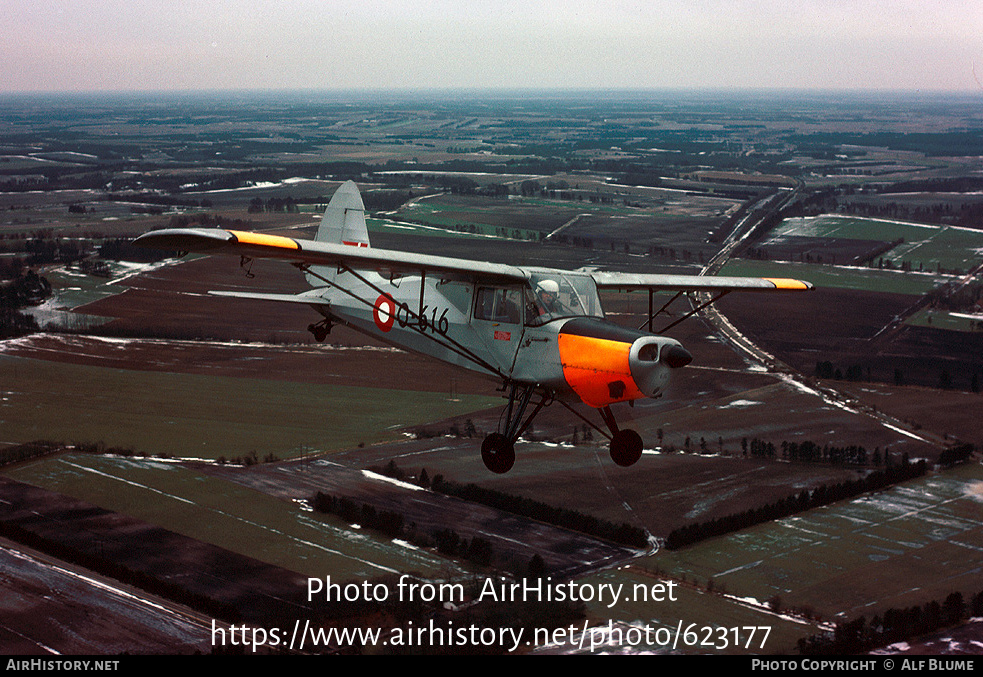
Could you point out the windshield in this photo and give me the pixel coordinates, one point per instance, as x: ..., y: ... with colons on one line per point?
x: 553, y: 295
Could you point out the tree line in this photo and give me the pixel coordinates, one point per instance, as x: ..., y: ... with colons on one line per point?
x: 894, y: 625
x: 27, y: 451
x: 24, y: 290
x: 826, y: 369
x: 392, y: 524
x: 106, y: 566
x: 622, y: 534
x: 796, y: 503
x: 808, y: 451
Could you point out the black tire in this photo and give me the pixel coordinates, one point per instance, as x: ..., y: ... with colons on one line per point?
x: 626, y: 447
x: 497, y: 453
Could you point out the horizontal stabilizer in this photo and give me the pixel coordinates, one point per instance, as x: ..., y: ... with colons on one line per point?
x: 305, y: 298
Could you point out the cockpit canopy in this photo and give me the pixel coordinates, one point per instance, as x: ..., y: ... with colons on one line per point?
x: 555, y: 294
x: 549, y: 295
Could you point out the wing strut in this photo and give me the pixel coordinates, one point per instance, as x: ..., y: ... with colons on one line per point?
x: 652, y: 315
x: 684, y: 317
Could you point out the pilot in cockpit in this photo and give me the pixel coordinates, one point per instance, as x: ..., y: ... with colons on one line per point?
x: 548, y: 292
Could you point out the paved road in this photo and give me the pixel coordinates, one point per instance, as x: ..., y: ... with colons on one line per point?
x: 759, y: 211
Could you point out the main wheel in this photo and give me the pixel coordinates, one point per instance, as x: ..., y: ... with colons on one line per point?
x: 626, y: 447
x: 497, y: 453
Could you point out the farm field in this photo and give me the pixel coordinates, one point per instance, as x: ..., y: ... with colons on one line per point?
x: 925, y: 247
x: 236, y: 416
x: 84, y: 618
x: 72, y: 289
x: 855, y: 557
x: 839, y: 277
x: 949, y: 412
x: 228, y: 515
x: 674, y: 221
x: 941, y: 319
x: 396, y: 227
x: 514, y: 213
x: 706, y: 614
x: 199, y: 416
x: 896, y: 540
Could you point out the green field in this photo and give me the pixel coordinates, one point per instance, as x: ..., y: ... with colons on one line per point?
x: 907, y: 545
x: 941, y: 319
x: 897, y: 548
x: 71, y: 289
x: 710, y: 618
x: 196, y: 416
x: 489, y: 221
x: 925, y: 247
x: 437, y: 229
x: 903, y: 546
x: 529, y: 216
x: 228, y: 515
x: 837, y: 277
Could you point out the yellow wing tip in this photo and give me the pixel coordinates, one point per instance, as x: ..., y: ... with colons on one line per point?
x: 788, y: 283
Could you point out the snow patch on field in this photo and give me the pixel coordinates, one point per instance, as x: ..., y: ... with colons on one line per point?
x: 739, y: 404
x: 390, y: 480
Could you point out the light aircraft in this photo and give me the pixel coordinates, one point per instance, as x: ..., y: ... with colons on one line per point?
x: 540, y: 330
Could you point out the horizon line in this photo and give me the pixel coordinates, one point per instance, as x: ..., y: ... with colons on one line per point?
x: 498, y: 90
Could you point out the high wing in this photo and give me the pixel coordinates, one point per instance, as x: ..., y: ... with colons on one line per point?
x: 394, y: 263
x: 694, y: 283
x: 311, y: 252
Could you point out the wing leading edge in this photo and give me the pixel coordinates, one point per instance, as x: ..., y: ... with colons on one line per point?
x: 311, y: 252
x: 392, y: 263
x: 694, y: 283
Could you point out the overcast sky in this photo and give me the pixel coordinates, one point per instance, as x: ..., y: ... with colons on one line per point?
x: 91, y: 45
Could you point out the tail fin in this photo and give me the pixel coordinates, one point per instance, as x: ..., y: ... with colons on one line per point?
x: 343, y: 223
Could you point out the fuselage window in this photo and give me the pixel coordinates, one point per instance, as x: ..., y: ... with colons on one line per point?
x: 497, y: 305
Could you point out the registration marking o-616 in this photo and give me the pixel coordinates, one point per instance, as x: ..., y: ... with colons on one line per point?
x: 434, y: 323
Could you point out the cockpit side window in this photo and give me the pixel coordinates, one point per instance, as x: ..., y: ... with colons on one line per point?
x: 496, y: 304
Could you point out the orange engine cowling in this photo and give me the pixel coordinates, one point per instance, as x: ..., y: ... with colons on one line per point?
x: 604, y: 363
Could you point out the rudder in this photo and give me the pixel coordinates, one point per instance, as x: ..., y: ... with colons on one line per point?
x: 343, y: 223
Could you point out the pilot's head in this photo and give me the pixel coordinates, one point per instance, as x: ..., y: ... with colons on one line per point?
x: 548, y: 291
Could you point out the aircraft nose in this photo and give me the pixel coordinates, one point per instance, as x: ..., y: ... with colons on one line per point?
x: 652, y: 358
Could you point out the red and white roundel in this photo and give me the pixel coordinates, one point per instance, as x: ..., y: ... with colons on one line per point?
x: 384, y: 312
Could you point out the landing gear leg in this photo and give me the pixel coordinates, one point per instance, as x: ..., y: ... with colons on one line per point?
x: 626, y: 445
x: 498, y: 449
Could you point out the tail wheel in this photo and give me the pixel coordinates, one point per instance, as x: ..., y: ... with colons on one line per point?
x: 626, y: 447
x: 497, y: 453
x: 320, y: 330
